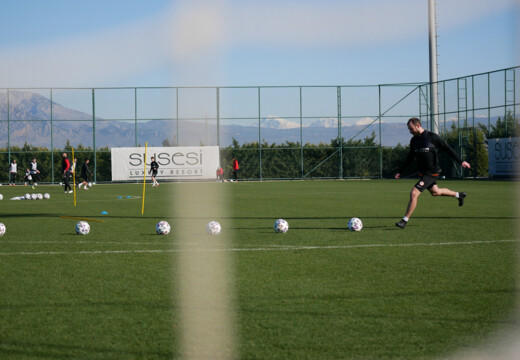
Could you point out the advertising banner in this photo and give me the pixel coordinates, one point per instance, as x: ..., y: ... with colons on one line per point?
x: 503, y: 156
x: 175, y: 163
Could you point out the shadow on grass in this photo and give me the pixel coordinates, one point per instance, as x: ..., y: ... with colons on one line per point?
x: 96, y: 216
x: 14, y: 349
x: 286, y: 305
x: 100, y: 217
x: 19, y: 349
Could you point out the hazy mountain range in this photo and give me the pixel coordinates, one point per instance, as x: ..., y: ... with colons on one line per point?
x: 31, y: 113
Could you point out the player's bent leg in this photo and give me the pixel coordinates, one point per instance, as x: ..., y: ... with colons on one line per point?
x: 436, y: 191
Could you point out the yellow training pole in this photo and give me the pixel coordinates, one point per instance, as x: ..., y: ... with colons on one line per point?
x: 73, y: 177
x: 144, y: 177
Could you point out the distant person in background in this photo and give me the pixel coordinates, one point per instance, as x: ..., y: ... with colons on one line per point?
x: 85, y: 174
x: 66, y: 166
x: 220, y: 173
x: 13, y: 169
x: 154, y: 168
x: 27, y: 178
x: 73, y: 171
x: 235, y: 169
x: 35, y: 173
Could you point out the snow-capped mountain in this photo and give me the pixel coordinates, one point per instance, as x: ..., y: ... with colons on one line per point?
x: 273, y: 122
x: 325, y: 123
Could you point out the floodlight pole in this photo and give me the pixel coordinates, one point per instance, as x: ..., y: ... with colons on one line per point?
x: 434, y: 102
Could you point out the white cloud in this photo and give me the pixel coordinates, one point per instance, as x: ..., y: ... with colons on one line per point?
x: 319, y: 23
x: 84, y: 59
x: 192, y: 36
x: 456, y: 13
x: 325, y: 24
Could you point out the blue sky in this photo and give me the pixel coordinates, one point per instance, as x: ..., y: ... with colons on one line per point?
x: 103, y: 43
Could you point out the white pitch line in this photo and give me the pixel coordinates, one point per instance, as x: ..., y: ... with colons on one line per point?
x: 287, y: 248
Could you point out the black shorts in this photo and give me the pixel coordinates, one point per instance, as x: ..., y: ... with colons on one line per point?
x: 154, y: 173
x: 426, y: 182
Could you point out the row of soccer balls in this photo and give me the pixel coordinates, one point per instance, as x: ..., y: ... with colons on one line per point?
x: 162, y: 228
x: 28, y: 196
x: 282, y: 226
x: 212, y: 228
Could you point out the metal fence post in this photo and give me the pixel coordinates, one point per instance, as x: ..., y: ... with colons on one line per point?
x: 8, y: 128
x: 94, y: 132
x: 52, y: 143
x: 380, y: 137
x: 340, y: 140
x: 177, y: 115
x: 135, y: 116
x: 259, y: 135
x: 301, y: 134
x: 218, y: 117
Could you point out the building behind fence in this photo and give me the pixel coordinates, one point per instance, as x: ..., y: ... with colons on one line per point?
x: 278, y: 132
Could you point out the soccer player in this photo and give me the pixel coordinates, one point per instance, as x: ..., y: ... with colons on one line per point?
x: 13, y: 169
x: 85, y: 173
x: 154, y: 167
x: 65, y: 164
x: 35, y: 173
x: 73, y: 171
x: 27, y: 178
x: 424, y: 147
x: 235, y: 169
x: 220, y: 173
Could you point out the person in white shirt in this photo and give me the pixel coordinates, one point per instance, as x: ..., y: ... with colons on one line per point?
x: 35, y: 173
x: 13, y: 169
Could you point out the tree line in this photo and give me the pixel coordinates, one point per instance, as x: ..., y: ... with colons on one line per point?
x: 353, y: 158
x: 50, y: 163
x: 362, y: 158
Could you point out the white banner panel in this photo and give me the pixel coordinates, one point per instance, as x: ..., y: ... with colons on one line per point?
x: 503, y: 156
x: 175, y: 163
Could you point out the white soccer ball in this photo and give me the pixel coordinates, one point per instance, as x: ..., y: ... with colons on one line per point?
x: 39, y: 196
x: 213, y: 228
x: 162, y: 228
x: 82, y: 228
x: 1, y: 197
x: 355, y: 224
x: 89, y: 184
x: 27, y: 196
x: 34, y: 196
x: 281, y: 226
x: 2, y: 229
x: 46, y: 196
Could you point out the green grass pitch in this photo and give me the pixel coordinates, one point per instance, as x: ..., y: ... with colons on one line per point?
x: 446, y: 283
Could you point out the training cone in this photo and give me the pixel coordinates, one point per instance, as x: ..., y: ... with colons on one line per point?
x: 104, y: 213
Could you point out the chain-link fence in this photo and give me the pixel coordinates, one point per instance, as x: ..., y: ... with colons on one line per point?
x: 279, y: 132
